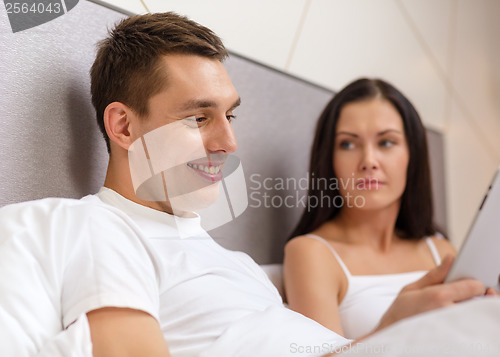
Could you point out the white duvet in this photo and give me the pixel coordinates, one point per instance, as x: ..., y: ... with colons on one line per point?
x: 467, y: 329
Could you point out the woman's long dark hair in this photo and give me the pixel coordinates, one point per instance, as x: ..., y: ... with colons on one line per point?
x: 415, y: 218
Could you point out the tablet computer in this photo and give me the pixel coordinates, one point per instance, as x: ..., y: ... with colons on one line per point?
x: 479, y: 256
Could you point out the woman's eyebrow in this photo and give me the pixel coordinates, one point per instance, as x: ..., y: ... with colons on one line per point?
x: 389, y: 131
x: 346, y: 133
x: 381, y: 133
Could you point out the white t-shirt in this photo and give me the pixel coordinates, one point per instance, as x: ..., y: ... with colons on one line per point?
x: 216, y: 302
x: 60, y: 258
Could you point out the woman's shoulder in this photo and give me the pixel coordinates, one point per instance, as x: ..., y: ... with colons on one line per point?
x: 324, y: 235
x: 443, y: 245
x: 311, y: 256
x: 311, y: 245
x: 309, y: 242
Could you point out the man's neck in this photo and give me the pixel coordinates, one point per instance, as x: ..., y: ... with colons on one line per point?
x: 118, y: 179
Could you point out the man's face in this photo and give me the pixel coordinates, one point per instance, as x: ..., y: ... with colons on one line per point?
x: 184, y: 141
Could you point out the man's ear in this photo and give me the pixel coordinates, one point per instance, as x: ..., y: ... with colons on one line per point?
x: 118, y: 120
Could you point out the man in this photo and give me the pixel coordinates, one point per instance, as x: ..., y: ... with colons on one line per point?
x: 133, y: 259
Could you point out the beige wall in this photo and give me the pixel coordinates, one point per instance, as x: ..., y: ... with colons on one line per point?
x: 444, y: 54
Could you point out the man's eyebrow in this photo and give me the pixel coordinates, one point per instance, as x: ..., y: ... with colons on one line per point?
x: 236, y: 103
x: 202, y: 103
x: 198, y: 103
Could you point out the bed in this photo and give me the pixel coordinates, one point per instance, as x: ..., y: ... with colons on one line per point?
x: 51, y: 147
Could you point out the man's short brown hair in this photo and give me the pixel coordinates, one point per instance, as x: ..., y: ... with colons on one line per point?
x: 128, y: 67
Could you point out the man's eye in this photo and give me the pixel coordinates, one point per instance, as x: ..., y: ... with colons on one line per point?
x: 346, y: 145
x: 195, y: 122
x: 230, y: 118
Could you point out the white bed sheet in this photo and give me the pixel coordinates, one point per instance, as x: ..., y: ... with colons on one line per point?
x: 469, y: 328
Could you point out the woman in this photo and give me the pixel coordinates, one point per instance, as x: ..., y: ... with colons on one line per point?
x: 372, y: 231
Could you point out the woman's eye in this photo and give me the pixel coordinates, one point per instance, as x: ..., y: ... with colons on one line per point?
x: 387, y: 143
x: 346, y: 145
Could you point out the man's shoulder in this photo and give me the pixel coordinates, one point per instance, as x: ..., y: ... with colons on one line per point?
x: 68, y: 223
x: 60, y: 210
x: 50, y: 205
x: 40, y: 207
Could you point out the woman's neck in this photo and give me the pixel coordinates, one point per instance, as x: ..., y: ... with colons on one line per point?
x: 373, y: 227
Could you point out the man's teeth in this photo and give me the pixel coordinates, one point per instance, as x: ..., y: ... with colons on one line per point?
x: 207, y: 169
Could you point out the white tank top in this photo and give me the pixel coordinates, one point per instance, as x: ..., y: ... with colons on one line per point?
x: 369, y: 296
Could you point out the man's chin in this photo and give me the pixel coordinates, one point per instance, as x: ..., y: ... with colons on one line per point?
x: 196, y: 200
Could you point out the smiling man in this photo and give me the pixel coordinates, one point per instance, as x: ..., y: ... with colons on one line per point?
x: 133, y: 259
x: 182, y: 142
x: 169, y: 141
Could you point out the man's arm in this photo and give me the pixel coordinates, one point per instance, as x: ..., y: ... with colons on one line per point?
x: 123, y: 332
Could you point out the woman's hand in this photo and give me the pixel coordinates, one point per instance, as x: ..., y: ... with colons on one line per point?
x: 429, y: 293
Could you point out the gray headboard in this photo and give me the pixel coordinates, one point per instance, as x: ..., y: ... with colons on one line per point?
x: 50, y: 144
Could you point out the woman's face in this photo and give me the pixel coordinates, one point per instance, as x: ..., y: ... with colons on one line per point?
x: 371, y: 154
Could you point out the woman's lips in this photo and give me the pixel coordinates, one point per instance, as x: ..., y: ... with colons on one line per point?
x: 369, y: 184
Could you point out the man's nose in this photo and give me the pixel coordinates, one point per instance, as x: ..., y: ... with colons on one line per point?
x: 220, y: 137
